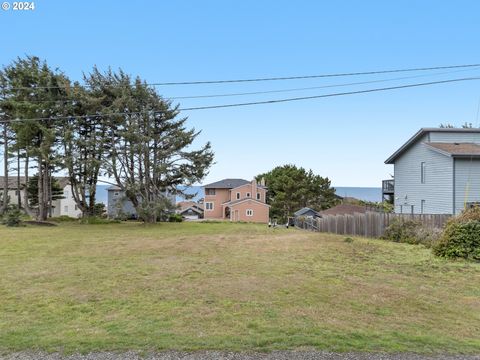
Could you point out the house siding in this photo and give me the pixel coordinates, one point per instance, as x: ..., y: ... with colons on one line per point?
x: 467, y: 182
x: 451, y: 137
x: 437, y: 191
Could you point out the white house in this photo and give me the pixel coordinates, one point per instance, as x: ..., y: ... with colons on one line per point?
x: 60, y: 207
x: 437, y: 171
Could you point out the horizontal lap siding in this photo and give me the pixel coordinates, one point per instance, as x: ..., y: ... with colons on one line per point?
x: 467, y: 182
x: 438, y: 188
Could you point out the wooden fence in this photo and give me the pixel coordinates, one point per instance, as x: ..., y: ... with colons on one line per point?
x: 369, y: 224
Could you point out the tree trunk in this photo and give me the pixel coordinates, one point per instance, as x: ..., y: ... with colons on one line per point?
x: 26, y: 205
x: 3, y: 208
x: 19, y: 196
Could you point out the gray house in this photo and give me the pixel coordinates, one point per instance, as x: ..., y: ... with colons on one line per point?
x: 118, y: 204
x: 437, y: 171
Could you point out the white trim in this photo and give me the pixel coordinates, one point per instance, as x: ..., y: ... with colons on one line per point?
x: 206, y: 205
x: 259, y: 196
x: 229, y: 203
x: 249, y: 210
x: 238, y: 196
x: 248, y: 195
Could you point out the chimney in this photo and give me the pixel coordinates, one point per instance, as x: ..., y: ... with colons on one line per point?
x: 254, y: 189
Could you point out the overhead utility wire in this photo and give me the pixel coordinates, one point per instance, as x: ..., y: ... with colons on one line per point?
x: 255, y: 103
x: 274, y: 91
x: 274, y: 78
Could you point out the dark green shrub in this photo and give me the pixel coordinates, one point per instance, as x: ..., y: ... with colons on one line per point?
x: 460, y: 239
x: 175, y: 218
x: 63, y: 218
x: 12, y: 217
x: 402, y: 230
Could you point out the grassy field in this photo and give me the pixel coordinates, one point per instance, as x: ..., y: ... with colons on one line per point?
x: 229, y: 286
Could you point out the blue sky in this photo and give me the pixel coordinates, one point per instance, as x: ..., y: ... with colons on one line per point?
x: 344, y: 138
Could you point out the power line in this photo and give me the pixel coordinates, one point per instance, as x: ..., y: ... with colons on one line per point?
x: 271, y: 78
x: 272, y: 91
x: 256, y: 102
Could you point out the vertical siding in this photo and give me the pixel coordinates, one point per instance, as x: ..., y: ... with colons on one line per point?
x: 467, y: 182
x: 437, y: 191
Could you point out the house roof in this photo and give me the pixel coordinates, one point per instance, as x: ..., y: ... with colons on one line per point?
x: 113, y: 188
x: 304, y: 211
x: 12, y: 181
x: 227, y: 184
x: 344, y: 209
x: 184, y: 205
x: 235, y: 202
x: 455, y: 149
x: 193, y: 208
x: 419, y: 134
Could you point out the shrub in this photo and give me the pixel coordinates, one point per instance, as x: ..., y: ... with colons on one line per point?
x: 175, y: 218
x: 403, y: 231
x: 63, y: 218
x: 461, y: 237
x: 93, y: 220
x: 411, y: 232
x: 12, y: 217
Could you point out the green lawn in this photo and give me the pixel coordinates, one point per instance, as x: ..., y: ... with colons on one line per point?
x: 229, y: 286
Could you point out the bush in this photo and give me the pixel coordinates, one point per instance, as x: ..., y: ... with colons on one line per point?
x: 411, y: 232
x: 461, y: 237
x: 175, y: 218
x: 12, y: 217
x: 63, y: 218
x: 403, y: 231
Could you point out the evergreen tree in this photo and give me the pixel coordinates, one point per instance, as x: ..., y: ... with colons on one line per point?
x: 291, y: 188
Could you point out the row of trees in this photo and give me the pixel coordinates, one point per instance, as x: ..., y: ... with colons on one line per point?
x: 109, y: 126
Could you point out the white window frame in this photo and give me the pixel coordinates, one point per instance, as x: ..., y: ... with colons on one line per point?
x: 210, y: 190
x: 238, y: 196
x: 259, y: 196
x: 248, y: 194
x: 206, y: 206
x: 249, y: 212
x: 65, y: 193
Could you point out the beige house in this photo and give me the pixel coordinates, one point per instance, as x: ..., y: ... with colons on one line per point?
x: 236, y: 200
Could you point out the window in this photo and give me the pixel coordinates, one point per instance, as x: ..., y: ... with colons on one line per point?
x: 238, y: 196
x: 258, y: 196
x: 422, y: 209
x: 209, y: 191
x: 422, y: 169
x: 249, y: 212
x: 209, y: 206
x: 65, y: 208
x: 248, y: 194
x: 65, y: 193
x: 115, y: 193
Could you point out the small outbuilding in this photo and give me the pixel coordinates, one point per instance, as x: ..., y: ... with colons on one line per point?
x: 307, y: 212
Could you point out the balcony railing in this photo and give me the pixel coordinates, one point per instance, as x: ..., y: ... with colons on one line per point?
x: 388, y: 186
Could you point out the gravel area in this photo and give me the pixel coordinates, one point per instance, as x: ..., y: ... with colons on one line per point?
x: 219, y: 355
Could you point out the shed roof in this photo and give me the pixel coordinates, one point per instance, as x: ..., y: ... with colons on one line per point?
x: 304, y: 211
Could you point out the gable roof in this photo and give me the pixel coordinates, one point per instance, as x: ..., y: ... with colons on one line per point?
x: 235, y: 202
x: 455, y: 149
x: 227, y: 184
x: 193, y: 208
x: 419, y: 134
x: 303, y: 211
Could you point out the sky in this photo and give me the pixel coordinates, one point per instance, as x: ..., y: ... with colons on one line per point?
x: 346, y: 139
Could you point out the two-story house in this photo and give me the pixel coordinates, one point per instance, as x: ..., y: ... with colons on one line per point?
x: 236, y: 200
x: 437, y: 171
